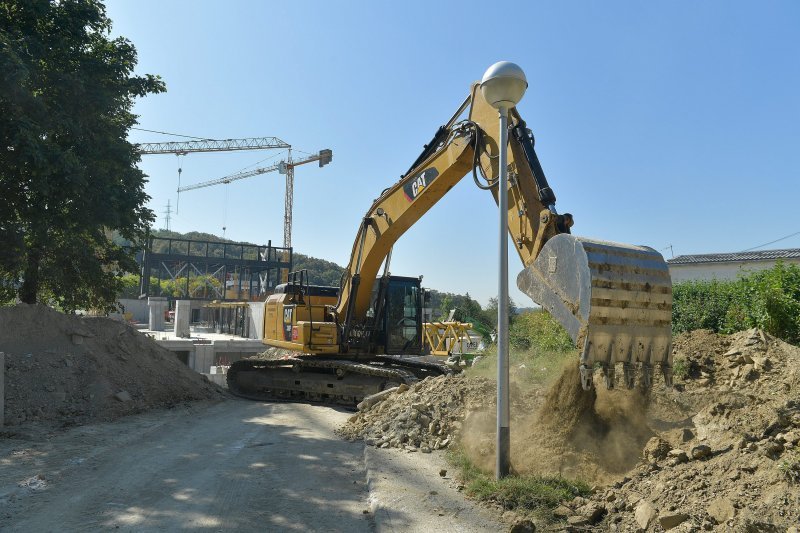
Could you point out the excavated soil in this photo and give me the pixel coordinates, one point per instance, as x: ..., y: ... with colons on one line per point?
x: 64, y: 370
x: 719, y: 451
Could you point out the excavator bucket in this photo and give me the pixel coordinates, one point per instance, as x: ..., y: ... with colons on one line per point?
x: 614, y: 300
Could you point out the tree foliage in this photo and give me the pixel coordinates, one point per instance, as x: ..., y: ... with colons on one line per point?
x: 67, y: 172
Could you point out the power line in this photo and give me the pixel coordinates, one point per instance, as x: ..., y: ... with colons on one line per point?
x: 174, y: 134
x: 772, y: 242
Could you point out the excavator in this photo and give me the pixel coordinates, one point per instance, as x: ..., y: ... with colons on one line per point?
x: 341, y: 344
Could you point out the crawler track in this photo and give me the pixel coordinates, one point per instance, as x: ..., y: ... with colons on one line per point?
x: 336, y: 381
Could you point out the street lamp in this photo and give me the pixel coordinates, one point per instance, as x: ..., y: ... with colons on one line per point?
x: 503, y: 86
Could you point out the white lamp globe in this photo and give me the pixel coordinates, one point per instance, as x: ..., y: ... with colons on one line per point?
x: 504, y: 84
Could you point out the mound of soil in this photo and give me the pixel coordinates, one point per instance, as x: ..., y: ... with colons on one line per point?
x: 719, y: 451
x: 425, y: 416
x: 65, y: 370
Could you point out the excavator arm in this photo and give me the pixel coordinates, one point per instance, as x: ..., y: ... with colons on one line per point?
x: 613, y: 299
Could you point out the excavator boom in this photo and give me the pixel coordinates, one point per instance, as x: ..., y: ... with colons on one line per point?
x: 614, y: 299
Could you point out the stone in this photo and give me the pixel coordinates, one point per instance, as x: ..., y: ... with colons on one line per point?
x: 577, y: 521
x: 749, y: 372
x: 656, y: 449
x: 701, y: 452
x: 670, y: 520
x: 732, y: 352
x: 762, y: 363
x: 721, y: 510
x: 773, y: 449
x: 644, y: 514
x: 593, y: 512
x: 442, y: 472
x: 123, y: 396
x: 687, y: 435
x: 678, y: 456
x: 562, y: 511
x: 522, y: 525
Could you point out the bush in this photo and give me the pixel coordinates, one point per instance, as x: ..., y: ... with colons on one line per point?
x: 538, y: 330
x: 767, y: 299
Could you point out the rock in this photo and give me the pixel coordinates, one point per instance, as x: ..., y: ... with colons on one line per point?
x: 123, y: 396
x: 732, y: 352
x: 402, y: 388
x: 749, y: 372
x: 577, y: 501
x: 522, y: 525
x: 577, y: 521
x: 687, y: 435
x: 762, y: 363
x: 670, y: 520
x: 593, y: 512
x: 562, y: 511
x: 442, y: 472
x: 773, y: 449
x: 656, y: 449
x: 376, y: 398
x: 424, y: 449
x: 721, y: 510
x: 701, y: 452
x: 644, y: 514
x: 678, y: 456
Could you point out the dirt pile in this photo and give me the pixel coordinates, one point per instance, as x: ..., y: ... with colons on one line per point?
x: 425, y: 416
x: 66, y: 370
x: 719, y: 451
x: 726, y: 453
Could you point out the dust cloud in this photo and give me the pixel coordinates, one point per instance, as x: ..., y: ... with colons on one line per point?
x: 593, y: 435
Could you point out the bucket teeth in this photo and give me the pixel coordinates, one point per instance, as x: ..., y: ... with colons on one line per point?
x: 628, y: 375
x: 609, y: 372
x: 614, y: 300
x: 587, y: 374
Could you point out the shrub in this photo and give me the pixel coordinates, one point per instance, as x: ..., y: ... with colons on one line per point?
x: 538, y: 330
x: 766, y: 299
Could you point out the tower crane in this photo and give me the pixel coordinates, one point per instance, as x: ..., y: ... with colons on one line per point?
x: 211, y: 145
x: 283, y: 167
x: 181, y: 148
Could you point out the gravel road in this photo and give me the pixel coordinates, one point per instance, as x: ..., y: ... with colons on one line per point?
x: 228, y: 466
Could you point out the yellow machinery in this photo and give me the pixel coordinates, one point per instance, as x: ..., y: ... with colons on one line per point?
x: 349, y: 341
x: 442, y: 338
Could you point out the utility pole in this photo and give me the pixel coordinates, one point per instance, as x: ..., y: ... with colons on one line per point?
x: 167, y: 216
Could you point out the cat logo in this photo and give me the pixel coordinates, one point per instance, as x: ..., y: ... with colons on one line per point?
x: 417, y: 184
x: 288, y: 314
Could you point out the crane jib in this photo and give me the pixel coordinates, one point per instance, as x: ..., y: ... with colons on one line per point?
x: 414, y: 186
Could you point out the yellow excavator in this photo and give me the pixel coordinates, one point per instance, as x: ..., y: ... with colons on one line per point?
x: 347, y: 342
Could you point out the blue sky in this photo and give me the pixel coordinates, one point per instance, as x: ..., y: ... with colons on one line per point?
x: 658, y: 123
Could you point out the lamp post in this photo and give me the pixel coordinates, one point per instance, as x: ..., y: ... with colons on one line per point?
x: 503, y: 86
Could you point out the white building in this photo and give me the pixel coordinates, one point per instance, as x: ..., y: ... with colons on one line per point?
x: 729, y: 266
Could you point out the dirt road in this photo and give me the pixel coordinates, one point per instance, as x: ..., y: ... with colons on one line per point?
x: 229, y: 466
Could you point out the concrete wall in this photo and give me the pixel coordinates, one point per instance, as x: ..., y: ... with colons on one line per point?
x: 256, y: 318
x: 720, y: 271
x: 202, y: 356
x: 137, y: 308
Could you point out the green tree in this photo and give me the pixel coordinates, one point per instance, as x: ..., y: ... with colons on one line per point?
x: 67, y: 173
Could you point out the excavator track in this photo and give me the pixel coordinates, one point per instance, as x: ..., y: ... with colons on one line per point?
x: 315, y: 379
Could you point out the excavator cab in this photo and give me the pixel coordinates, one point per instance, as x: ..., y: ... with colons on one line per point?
x: 394, y: 319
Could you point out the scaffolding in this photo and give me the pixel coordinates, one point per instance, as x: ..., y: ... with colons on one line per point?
x: 186, y: 269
